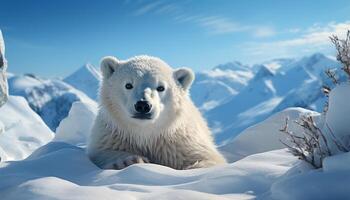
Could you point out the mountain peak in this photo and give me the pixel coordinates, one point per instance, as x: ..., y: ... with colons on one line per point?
x: 87, y: 69
x: 317, y: 56
x: 235, y: 65
x: 263, y: 72
x: 86, y: 79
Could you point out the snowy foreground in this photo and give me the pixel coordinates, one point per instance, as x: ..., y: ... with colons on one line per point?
x: 61, y: 169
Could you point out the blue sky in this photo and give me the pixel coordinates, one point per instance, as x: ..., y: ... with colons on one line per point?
x: 53, y: 38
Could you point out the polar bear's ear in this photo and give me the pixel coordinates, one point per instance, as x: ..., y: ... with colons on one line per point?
x: 184, y: 76
x: 108, y: 65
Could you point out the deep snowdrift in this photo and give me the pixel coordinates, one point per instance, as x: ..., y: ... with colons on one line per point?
x: 23, y: 130
x: 61, y: 171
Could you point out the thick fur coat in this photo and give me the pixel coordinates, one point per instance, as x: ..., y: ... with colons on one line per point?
x: 173, y: 133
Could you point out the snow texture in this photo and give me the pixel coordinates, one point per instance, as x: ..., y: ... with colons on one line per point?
x: 23, y: 130
x: 3, y: 79
x: 76, y: 127
x: 86, y: 79
x: 62, y: 171
x: 295, y: 83
x: 264, y: 136
x: 51, y: 99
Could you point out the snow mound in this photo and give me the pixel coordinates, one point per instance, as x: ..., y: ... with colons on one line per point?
x: 264, y: 136
x: 58, y: 167
x: 338, y: 111
x: 51, y: 99
x: 87, y: 79
x: 329, y: 183
x: 75, y: 128
x: 23, y: 131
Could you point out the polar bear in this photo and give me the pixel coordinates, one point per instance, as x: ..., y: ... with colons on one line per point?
x: 147, y: 116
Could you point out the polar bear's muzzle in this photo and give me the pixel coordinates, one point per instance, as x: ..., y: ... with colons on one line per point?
x: 143, y: 110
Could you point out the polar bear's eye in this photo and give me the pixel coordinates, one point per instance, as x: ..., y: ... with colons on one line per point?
x: 129, y: 86
x: 160, y: 88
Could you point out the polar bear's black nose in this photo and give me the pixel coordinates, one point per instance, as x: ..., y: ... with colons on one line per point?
x: 143, y: 107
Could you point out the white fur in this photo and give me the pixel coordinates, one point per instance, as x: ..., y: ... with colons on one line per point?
x: 177, y: 135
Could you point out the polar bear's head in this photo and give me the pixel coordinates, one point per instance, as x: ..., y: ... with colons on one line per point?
x: 143, y: 90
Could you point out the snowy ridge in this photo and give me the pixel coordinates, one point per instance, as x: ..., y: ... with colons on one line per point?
x: 298, y: 84
x: 86, y: 79
x: 214, y: 87
x: 51, y: 99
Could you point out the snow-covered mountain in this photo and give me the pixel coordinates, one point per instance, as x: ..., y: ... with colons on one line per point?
x: 232, y: 96
x: 87, y: 79
x: 271, y: 91
x: 276, y: 65
x: 216, y: 86
x: 50, y: 98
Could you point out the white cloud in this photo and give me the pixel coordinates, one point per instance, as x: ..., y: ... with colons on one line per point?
x: 220, y: 25
x: 263, y: 32
x: 312, y: 39
x: 212, y: 24
x: 148, y: 8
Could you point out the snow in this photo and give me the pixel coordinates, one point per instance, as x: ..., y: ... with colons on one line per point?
x: 86, y: 79
x: 264, y: 136
x: 329, y: 183
x: 23, y: 130
x: 62, y: 171
x: 219, y: 84
x: 2, y: 44
x: 208, y: 94
x: 3, y: 66
x: 244, y: 105
x: 75, y: 128
x: 338, y: 110
x: 227, y: 117
x: 295, y: 83
x: 51, y: 99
